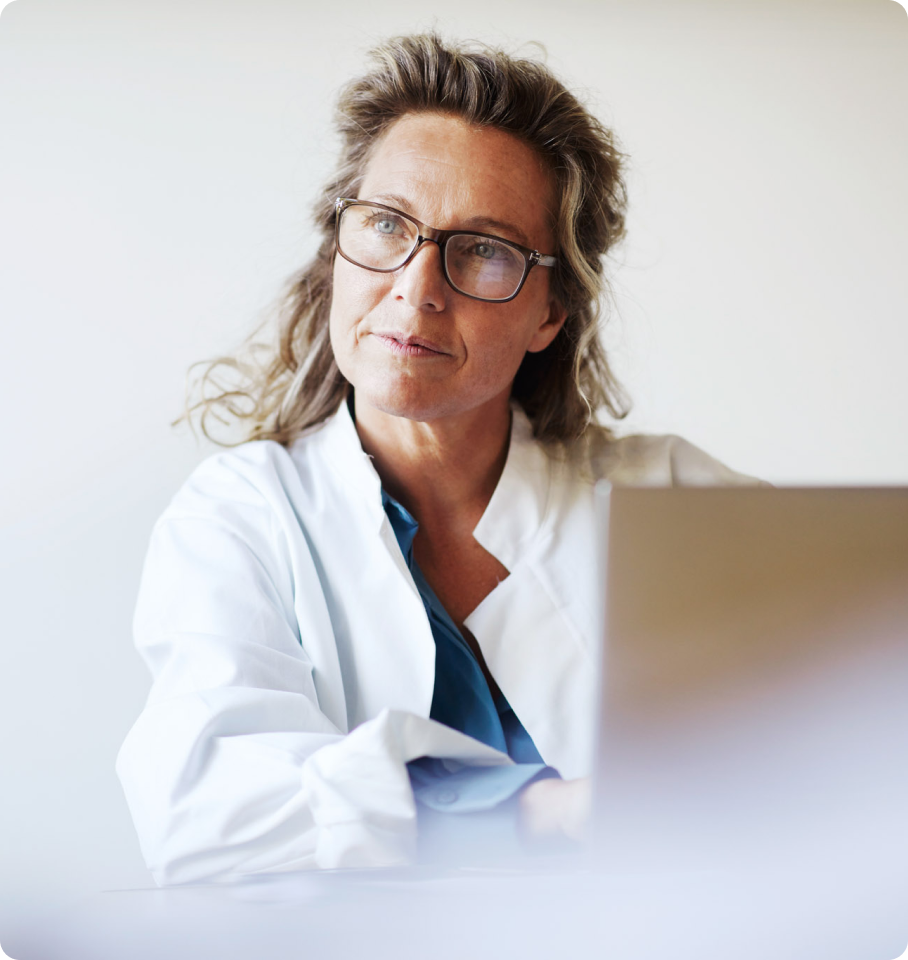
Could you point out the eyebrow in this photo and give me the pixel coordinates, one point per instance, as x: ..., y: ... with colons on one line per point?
x: 473, y: 223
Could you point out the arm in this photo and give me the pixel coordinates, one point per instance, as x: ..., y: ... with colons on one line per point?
x: 233, y: 768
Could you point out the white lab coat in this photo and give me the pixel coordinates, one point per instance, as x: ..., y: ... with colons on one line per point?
x: 294, y: 665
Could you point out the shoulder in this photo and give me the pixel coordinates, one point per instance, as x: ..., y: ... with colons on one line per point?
x: 258, y: 473
x: 237, y: 528
x: 248, y: 477
x: 656, y: 460
x: 262, y: 484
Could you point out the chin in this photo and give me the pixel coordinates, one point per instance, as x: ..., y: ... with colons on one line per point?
x: 421, y: 401
x: 409, y: 404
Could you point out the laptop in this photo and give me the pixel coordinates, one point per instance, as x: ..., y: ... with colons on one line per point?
x: 754, y: 680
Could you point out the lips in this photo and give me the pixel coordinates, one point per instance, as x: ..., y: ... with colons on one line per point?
x: 410, y: 346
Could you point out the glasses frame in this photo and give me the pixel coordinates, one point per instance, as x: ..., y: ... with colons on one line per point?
x: 427, y: 234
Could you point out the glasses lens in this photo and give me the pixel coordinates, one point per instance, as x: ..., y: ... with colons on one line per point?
x: 484, y: 267
x: 375, y: 238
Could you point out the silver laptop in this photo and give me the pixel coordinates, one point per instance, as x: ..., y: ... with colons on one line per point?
x: 754, y: 696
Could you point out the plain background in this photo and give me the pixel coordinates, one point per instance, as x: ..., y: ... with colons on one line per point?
x: 158, y: 164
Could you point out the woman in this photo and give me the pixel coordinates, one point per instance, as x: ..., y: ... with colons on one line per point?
x: 390, y: 594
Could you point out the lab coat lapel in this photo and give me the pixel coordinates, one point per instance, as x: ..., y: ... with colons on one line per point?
x: 537, y: 628
x: 387, y: 643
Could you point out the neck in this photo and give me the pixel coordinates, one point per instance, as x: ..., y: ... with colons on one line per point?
x: 443, y: 471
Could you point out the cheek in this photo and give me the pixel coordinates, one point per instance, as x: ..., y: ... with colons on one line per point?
x: 506, y: 334
x: 496, y: 348
x: 353, y: 295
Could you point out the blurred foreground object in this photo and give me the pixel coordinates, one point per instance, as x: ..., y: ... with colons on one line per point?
x: 754, y: 713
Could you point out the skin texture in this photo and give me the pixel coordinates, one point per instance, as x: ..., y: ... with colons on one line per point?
x: 446, y: 174
x: 432, y: 369
x: 556, y: 808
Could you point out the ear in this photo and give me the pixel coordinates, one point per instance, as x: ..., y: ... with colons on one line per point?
x: 552, y: 321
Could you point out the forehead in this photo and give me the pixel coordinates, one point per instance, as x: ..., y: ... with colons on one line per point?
x: 448, y: 173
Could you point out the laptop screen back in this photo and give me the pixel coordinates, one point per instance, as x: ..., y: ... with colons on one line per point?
x: 754, y: 697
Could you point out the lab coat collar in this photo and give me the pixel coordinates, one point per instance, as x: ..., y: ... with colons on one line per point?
x: 350, y: 464
x: 517, y: 509
x: 513, y: 515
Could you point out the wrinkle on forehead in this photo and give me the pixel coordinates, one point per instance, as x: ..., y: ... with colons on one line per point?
x: 450, y: 171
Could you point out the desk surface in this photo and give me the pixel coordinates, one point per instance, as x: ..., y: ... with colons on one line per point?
x: 492, y: 913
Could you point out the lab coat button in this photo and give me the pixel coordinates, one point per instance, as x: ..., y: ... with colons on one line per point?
x: 445, y: 796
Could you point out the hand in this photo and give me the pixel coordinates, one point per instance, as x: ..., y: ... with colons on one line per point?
x: 553, y: 808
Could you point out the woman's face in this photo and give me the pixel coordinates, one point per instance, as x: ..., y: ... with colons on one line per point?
x: 448, y: 175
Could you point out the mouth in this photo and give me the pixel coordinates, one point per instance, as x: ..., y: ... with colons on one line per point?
x: 407, y: 346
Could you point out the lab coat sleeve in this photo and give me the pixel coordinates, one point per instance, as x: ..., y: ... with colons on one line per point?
x: 232, y: 768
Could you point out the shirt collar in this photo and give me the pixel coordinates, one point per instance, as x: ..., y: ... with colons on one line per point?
x: 402, y: 523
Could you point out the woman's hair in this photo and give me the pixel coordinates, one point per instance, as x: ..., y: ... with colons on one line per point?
x: 277, y: 393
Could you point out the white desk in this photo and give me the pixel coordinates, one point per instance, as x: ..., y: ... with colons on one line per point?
x: 491, y: 914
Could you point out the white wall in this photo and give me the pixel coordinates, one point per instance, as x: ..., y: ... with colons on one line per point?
x: 157, y: 167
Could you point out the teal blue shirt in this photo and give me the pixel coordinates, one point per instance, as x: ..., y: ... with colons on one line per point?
x: 463, y: 700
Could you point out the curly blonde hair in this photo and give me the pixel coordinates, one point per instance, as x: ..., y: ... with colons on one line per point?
x: 277, y: 392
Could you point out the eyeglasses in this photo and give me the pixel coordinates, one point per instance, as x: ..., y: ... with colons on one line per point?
x: 477, y: 265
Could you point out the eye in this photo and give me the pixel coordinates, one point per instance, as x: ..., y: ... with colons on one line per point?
x: 485, y: 248
x: 485, y: 251
x: 385, y: 226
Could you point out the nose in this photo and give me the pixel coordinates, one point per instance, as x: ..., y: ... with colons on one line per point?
x: 421, y: 282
